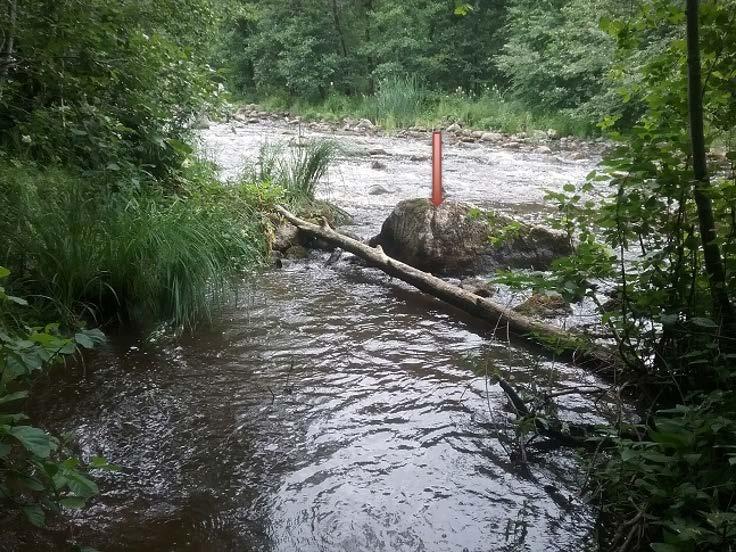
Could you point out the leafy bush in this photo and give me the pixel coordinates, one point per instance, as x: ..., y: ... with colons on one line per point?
x: 104, y: 85
x: 140, y: 255
x: 37, y: 474
x: 679, y: 481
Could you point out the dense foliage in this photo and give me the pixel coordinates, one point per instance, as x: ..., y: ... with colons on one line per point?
x: 106, y: 86
x: 484, y: 57
x: 670, y: 233
x: 107, y: 214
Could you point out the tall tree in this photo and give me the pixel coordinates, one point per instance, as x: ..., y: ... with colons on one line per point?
x: 722, y: 307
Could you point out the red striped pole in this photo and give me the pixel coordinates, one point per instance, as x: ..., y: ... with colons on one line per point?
x: 437, y: 168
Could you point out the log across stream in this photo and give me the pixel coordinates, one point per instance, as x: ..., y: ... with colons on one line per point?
x: 562, y: 342
x: 332, y: 408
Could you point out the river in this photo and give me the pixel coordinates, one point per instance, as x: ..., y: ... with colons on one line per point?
x: 332, y: 408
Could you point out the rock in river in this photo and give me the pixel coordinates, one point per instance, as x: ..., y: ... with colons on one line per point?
x: 377, y: 189
x: 459, y: 238
x: 545, y: 305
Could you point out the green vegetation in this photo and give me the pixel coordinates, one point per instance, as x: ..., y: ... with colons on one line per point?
x: 514, y: 65
x: 85, y: 250
x: 38, y: 473
x: 668, y: 482
x: 404, y: 103
x: 108, y: 216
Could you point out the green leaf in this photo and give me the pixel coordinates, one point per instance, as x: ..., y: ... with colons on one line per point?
x: 35, y: 440
x: 18, y: 395
x: 4, y: 272
x: 17, y: 300
x: 84, y: 340
x: 81, y: 485
x: 704, y: 323
x: 73, y: 502
x: 35, y: 514
x: 180, y: 147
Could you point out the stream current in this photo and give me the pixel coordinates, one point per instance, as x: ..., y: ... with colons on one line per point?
x: 332, y: 408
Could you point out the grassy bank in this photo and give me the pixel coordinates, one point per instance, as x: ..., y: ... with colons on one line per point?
x: 85, y: 247
x: 403, y: 103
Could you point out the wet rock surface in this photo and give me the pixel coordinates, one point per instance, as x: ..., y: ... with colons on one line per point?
x: 459, y: 238
x: 545, y: 305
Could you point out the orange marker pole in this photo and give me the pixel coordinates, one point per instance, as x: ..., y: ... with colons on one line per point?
x: 437, y: 168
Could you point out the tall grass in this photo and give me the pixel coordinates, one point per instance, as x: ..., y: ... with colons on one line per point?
x: 298, y: 168
x: 83, y: 249
x: 398, y: 102
x: 404, y: 102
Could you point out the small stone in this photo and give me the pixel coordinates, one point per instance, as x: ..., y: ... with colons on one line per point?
x: 201, y: 123
x: 364, y: 124
x: 552, y: 134
x: 418, y: 158
x: 377, y: 189
x: 491, y: 137
x: 296, y: 252
x: 454, y: 127
x: 377, y: 165
x: 544, y: 149
x: 377, y: 151
x: 285, y: 236
x: 477, y: 134
x: 538, y: 135
x: 467, y: 139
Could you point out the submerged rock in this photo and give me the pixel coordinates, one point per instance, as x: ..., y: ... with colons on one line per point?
x: 459, y: 238
x: 478, y: 286
x: 546, y: 305
x: 377, y: 165
x: 377, y: 189
x: 285, y: 235
x: 296, y: 252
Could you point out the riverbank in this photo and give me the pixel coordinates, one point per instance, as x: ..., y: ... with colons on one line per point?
x: 539, y: 141
x: 404, y: 108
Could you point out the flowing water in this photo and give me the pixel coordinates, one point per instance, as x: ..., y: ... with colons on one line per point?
x: 332, y: 408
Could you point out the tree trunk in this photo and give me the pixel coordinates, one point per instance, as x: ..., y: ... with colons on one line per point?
x: 338, y: 28
x: 9, y: 49
x: 722, y: 308
x: 560, y: 341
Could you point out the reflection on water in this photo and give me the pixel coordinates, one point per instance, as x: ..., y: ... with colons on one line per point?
x: 335, y: 413
x: 332, y: 410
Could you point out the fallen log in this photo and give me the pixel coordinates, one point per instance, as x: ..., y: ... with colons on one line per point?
x: 564, y: 344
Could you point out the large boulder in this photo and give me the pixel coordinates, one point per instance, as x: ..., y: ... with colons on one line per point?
x: 459, y: 238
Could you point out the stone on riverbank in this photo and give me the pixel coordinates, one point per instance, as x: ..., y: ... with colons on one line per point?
x: 458, y: 238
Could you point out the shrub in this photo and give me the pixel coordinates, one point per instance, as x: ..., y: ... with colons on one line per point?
x: 36, y: 473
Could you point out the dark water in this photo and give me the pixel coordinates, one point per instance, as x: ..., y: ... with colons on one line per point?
x: 332, y: 409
